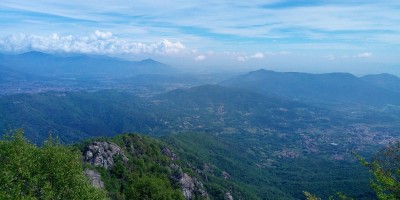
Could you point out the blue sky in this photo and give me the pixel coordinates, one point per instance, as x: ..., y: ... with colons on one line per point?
x: 299, y: 35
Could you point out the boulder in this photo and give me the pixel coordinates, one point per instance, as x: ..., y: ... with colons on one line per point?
x: 101, y: 154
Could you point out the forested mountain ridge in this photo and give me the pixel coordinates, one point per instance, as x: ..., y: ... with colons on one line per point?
x: 336, y: 88
x: 78, y: 115
x: 75, y: 116
x: 387, y: 81
x: 128, y: 166
x: 132, y: 166
x: 74, y: 66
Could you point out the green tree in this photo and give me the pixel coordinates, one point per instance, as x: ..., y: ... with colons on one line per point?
x: 385, y: 167
x: 18, y: 167
x: 147, y: 188
x: 310, y: 196
x: 339, y: 196
x: 50, y: 172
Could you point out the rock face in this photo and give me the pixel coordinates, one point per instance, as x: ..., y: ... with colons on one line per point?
x: 187, y: 185
x: 228, y: 196
x: 94, y: 178
x: 226, y: 175
x: 191, y: 187
x: 101, y: 154
x: 171, y: 155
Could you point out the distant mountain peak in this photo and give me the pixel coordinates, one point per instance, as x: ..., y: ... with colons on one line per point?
x: 382, y: 75
x: 387, y: 81
x: 34, y: 53
x: 149, y: 60
x: 260, y: 71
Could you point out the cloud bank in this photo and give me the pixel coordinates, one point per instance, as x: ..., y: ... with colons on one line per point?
x: 97, y: 42
x: 106, y: 43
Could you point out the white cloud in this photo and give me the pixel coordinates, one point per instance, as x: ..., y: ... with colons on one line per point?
x: 200, y: 58
x: 168, y: 47
x: 103, y: 35
x: 330, y: 57
x: 257, y: 55
x: 96, y: 43
x: 364, y: 55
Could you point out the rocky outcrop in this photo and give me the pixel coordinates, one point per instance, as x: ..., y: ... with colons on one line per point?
x: 187, y: 185
x: 170, y: 154
x: 228, y: 196
x: 101, y: 154
x: 94, y: 178
x: 190, y: 186
x: 200, y: 188
x: 226, y: 175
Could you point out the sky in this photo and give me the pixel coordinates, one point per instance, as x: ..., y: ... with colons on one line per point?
x: 359, y: 36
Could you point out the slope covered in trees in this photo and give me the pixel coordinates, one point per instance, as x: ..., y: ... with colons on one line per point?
x: 128, y: 166
x: 131, y: 166
x: 254, y: 167
x: 75, y: 116
x: 49, y: 172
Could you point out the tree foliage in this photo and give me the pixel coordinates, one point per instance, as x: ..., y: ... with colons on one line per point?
x: 148, y: 188
x: 50, y: 172
x: 385, y: 167
x: 310, y: 196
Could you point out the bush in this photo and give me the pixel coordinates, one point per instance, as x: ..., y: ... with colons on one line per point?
x: 50, y: 172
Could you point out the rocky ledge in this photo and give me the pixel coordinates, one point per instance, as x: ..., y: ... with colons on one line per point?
x: 101, y: 154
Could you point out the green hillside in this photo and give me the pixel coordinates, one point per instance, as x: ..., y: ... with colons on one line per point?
x: 128, y: 166
x: 233, y: 141
x: 74, y: 116
x: 267, y: 176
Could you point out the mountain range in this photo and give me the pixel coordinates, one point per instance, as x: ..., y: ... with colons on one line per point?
x: 342, y: 88
x: 72, y: 66
x: 90, y: 72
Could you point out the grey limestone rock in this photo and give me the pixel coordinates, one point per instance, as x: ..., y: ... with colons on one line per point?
x: 169, y: 153
x: 228, y: 196
x: 94, y: 178
x: 190, y: 186
x: 226, y: 175
x: 187, y: 185
x: 101, y: 154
